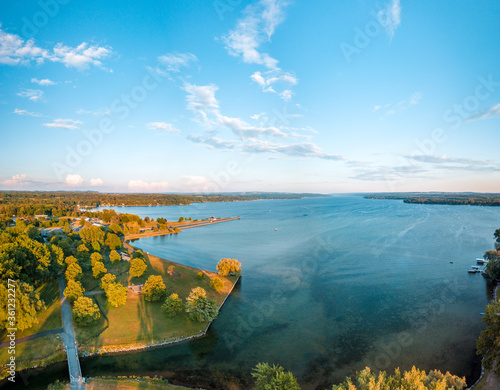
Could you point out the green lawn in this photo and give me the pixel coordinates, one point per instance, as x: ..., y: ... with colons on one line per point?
x: 122, y: 384
x: 140, y: 322
x: 118, y: 268
x: 42, y: 352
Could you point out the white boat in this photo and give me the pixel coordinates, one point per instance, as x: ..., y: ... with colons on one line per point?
x: 480, y: 260
x: 473, y: 271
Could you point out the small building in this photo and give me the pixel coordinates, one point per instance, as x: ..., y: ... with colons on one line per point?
x: 136, y: 288
x: 124, y: 256
x: 41, y: 216
x: 46, y: 232
x: 212, y: 219
x: 145, y: 229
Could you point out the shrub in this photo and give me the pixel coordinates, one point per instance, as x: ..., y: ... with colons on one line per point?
x: 173, y: 305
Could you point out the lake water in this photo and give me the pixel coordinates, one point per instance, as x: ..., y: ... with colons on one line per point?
x: 343, y: 283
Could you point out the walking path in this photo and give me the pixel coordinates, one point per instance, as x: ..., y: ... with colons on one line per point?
x: 68, y: 336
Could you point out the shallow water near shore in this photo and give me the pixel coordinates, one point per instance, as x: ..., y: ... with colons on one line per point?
x: 343, y: 283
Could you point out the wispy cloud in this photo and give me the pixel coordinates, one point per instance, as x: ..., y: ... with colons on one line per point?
x: 100, y: 112
x: 26, y: 113
x: 391, y: 17
x: 15, y: 51
x: 492, y: 112
x: 175, y: 61
x: 142, y: 186
x: 274, y: 81
x: 34, y: 95
x: 393, y: 108
x: 454, y: 163
x: 69, y: 124
x: 256, y: 27
x: 162, y: 126
x: 212, y: 142
x: 43, y: 82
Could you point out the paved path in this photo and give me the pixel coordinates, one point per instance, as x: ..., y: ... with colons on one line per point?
x: 33, y: 336
x: 68, y: 336
x: 89, y: 293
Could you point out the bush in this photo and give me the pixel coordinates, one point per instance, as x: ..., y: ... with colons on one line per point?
x: 172, y: 306
x: 85, y: 312
x: 200, y: 275
x: 217, y: 284
x: 154, y: 289
x: 273, y: 377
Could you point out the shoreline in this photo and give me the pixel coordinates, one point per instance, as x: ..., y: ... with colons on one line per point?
x: 125, y: 348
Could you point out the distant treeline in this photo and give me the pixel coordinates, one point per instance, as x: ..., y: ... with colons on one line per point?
x: 61, y: 203
x: 466, y: 198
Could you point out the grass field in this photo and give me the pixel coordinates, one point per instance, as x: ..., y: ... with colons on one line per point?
x: 140, y: 323
x: 39, y: 352
x: 121, y: 384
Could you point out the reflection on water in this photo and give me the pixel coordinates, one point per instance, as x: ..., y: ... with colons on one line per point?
x: 343, y: 283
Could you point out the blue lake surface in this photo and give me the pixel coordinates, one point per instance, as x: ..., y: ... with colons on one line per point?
x: 344, y: 282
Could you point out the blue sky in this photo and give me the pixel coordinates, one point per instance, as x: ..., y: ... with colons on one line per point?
x: 230, y: 95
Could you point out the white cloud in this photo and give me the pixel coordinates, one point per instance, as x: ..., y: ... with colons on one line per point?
x: 142, y: 186
x: 391, y: 109
x: 162, y: 126
x: 101, y: 112
x: 15, y: 51
x: 256, y: 27
x: 201, y: 99
x: 212, y: 142
x: 492, y: 112
x: 26, y: 113
x: 305, y: 149
x: 390, y: 17
x: 15, y: 180
x: 175, y: 61
x: 32, y: 94
x: 269, y: 80
x: 69, y: 124
x: 96, y: 182
x: 43, y: 82
x: 73, y: 180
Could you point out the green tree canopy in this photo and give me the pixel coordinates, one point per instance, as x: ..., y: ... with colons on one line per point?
x: 413, y: 379
x: 488, y: 343
x: 106, y: 280
x: 73, y: 290
x: 114, y: 256
x: 95, y: 257
x: 98, y: 269
x: 229, y: 267
x: 113, y: 241
x: 217, y: 284
x: 137, y: 267
x: 154, y: 289
x: 91, y: 234
x: 203, y: 309
x: 273, y: 378
x: 85, y: 312
x: 115, y: 228
x: 73, y: 272
x: 196, y: 293
x: 116, y: 294
x: 173, y: 305
x: 28, y: 305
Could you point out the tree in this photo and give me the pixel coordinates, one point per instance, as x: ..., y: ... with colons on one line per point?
x: 82, y: 248
x: 70, y: 260
x: 73, y: 290
x: 73, y: 272
x: 196, y: 292
x: 217, y: 284
x: 137, y: 267
x: 98, y: 269
x: 106, y: 280
x: 154, y: 289
x: 413, y: 379
x: 115, y: 228
x: 113, y: 241
x: 114, y: 256
x: 229, y: 267
x: 116, y: 294
x: 173, y: 305
x: 488, y: 343
x: 202, y: 309
x: 497, y: 235
x: 27, y: 306
x: 95, y: 257
x: 273, y: 378
x: 66, y: 228
x: 91, y: 234
x: 85, y: 312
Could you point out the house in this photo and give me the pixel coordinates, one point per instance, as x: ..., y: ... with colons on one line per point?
x: 46, y: 232
x: 136, y: 288
x: 124, y: 256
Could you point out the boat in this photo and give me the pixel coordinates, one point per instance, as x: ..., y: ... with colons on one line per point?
x: 480, y: 261
x: 473, y: 271
x: 275, y: 230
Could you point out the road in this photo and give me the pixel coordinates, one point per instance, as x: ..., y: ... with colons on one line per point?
x: 68, y: 336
